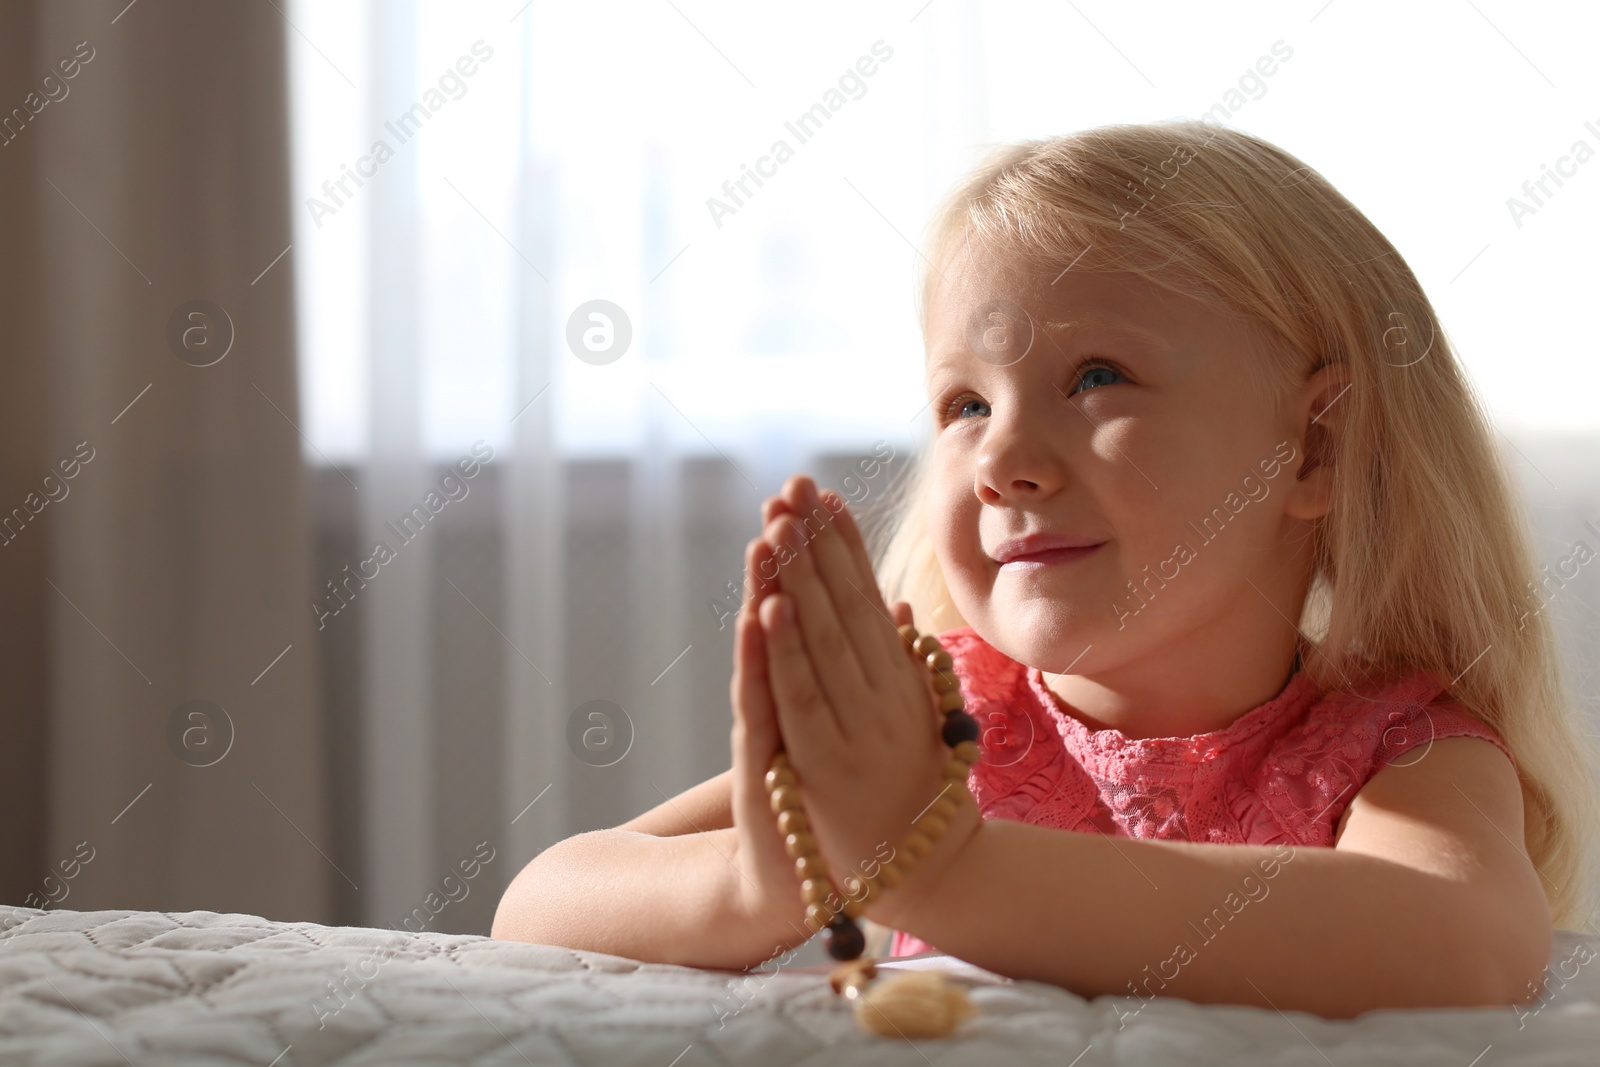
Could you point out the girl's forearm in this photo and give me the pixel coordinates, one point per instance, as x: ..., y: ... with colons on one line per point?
x: 662, y: 899
x: 1311, y: 929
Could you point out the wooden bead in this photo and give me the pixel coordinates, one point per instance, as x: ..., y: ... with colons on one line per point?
x: 843, y: 939
x: 818, y: 915
x: 858, y: 889
x: 801, y: 844
x: 793, y: 821
x: 944, y: 807
x: 967, y: 752
x: 908, y: 637
x: 939, y: 661
x: 958, y: 727
x: 917, y: 845
x: 778, y: 776
x: 955, y: 770
x: 785, y: 798
x: 810, y: 867
x: 951, y: 701
x: 815, y: 890
x: 889, y: 875
x: 926, y: 644
x: 854, y: 909
x: 780, y: 758
x: 932, y: 824
x: 945, y: 682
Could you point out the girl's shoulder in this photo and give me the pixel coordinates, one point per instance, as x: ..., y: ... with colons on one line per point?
x: 1387, y: 718
x: 1313, y: 771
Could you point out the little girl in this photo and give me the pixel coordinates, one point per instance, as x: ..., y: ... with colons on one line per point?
x: 1232, y: 579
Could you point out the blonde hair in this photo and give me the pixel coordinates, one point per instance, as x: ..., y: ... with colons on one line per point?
x: 1425, y: 558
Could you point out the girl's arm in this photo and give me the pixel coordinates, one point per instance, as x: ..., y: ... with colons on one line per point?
x: 665, y: 886
x: 664, y: 899
x: 707, y: 806
x: 661, y: 887
x: 1428, y: 899
x: 655, y: 888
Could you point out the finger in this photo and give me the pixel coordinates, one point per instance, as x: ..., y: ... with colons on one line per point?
x: 771, y: 506
x: 752, y: 700
x: 824, y: 640
x: 864, y: 581
x: 846, y: 574
x: 835, y: 504
x: 902, y: 614
x: 810, y: 725
x: 760, y: 573
x: 851, y: 531
x: 755, y: 734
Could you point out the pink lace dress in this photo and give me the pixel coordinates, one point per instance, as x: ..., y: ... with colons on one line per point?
x: 1283, y: 772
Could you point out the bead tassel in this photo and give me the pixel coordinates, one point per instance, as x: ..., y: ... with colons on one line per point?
x: 913, y: 1003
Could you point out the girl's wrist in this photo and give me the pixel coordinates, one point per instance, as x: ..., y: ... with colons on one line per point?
x: 760, y: 928
x: 908, y: 905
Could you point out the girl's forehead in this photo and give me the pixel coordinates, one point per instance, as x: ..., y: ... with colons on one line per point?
x: 1002, y: 314
x: 1123, y: 302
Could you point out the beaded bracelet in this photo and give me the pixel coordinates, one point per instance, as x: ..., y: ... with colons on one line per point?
x: 913, y: 1003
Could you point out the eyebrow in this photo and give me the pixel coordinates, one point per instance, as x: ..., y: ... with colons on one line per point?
x: 1091, y: 323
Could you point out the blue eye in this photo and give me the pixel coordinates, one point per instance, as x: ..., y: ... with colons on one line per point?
x: 952, y: 406
x: 1085, y: 370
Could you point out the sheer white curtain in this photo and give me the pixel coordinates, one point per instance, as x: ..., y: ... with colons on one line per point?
x: 470, y: 177
x: 563, y: 156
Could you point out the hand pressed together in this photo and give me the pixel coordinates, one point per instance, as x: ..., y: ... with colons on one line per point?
x: 769, y: 890
x: 857, y: 714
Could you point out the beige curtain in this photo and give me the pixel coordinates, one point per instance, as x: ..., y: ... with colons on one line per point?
x: 22, y: 459
x: 146, y: 170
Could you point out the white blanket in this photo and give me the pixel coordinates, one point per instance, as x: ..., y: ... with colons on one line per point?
x: 118, y: 987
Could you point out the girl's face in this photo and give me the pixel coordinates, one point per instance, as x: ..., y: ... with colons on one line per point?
x: 1129, y: 419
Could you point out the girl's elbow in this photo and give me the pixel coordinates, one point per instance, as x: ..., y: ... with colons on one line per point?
x: 1509, y: 949
x: 1516, y: 975
x: 528, y: 910
x: 512, y: 915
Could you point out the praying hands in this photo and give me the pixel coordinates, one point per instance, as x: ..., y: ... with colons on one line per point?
x: 821, y: 671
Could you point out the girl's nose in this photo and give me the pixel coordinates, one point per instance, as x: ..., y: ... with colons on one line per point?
x: 1017, y: 460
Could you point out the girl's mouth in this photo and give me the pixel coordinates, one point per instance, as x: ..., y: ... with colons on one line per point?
x: 1048, y: 557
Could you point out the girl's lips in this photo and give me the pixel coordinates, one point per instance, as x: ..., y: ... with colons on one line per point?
x: 1049, y: 556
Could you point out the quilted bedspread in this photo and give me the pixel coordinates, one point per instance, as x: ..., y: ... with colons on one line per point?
x: 125, y: 987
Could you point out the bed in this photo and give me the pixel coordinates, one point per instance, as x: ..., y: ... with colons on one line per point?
x: 137, y: 987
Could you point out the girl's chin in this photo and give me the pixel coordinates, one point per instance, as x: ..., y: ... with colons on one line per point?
x: 1039, y: 630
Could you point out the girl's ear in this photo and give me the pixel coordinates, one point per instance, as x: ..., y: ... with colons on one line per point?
x: 1320, y: 422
